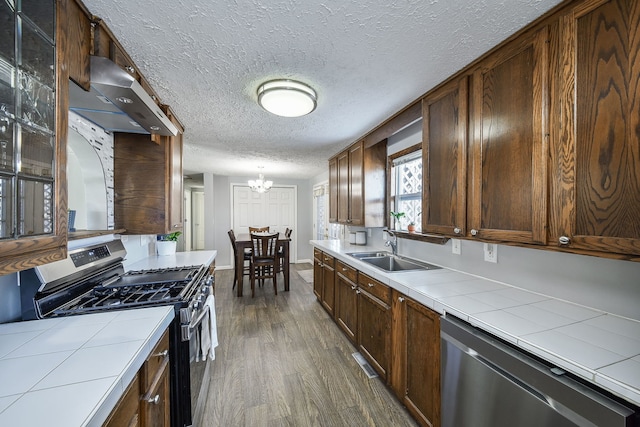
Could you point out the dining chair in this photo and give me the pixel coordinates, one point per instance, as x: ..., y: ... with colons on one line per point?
x: 287, y: 234
x: 246, y: 257
x: 264, y: 260
x: 259, y: 229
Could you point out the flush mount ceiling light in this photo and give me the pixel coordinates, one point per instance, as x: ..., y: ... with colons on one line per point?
x: 287, y: 98
x: 260, y: 185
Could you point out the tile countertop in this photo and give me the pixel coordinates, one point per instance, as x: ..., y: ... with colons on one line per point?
x: 600, y: 347
x: 179, y: 259
x: 71, y: 371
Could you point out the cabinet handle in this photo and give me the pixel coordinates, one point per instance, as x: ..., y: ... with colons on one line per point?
x: 564, y: 240
x: 353, y: 288
x: 344, y: 269
x: 357, y: 291
x: 474, y: 232
x: 154, y: 400
x: 400, y: 299
x: 129, y: 68
x: 457, y: 230
x: 371, y: 285
x: 177, y: 225
x: 162, y: 353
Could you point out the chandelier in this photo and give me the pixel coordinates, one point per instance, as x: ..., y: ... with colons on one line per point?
x: 260, y: 185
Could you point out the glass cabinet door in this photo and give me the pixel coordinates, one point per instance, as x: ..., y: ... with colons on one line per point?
x: 27, y: 118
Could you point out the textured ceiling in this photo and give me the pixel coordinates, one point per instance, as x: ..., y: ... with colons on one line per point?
x: 366, y: 59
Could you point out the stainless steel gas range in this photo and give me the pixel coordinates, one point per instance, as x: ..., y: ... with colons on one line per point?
x: 92, y: 279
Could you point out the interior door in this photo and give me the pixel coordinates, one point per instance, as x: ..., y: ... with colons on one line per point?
x: 277, y: 209
x: 197, y: 220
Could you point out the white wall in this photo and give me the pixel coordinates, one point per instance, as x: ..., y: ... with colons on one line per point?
x: 218, y: 188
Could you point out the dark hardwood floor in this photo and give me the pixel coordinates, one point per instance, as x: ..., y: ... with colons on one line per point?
x: 282, y: 361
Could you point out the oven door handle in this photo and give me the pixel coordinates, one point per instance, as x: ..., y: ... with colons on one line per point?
x: 186, y: 329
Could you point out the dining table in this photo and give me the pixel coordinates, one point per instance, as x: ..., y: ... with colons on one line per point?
x: 243, y: 241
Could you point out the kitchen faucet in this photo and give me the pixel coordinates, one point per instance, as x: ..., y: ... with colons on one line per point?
x: 393, y: 243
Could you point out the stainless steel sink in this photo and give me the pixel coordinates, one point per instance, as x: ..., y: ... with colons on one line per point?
x: 377, y: 254
x: 389, y: 262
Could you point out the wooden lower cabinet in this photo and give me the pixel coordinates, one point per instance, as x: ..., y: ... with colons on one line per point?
x: 324, y: 279
x: 329, y: 286
x: 127, y: 411
x: 416, y: 358
x: 318, y: 281
x: 399, y: 337
x: 146, y: 403
x: 346, y: 311
x: 374, y: 323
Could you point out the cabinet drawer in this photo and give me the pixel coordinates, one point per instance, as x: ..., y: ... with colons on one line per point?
x: 328, y: 260
x: 155, y: 360
x: 347, y: 271
x: 375, y: 288
x: 317, y: 253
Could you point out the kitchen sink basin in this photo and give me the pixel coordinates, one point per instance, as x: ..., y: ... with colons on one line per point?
x: 377, y: 254
x: 389, y: 262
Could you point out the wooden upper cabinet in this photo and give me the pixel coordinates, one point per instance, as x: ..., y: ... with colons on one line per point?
x: 148, y: 182
x: 596, y: 154
x: 79, y: 43
x: 343, y: 187
x: 444, y: 159
x: 510, y: 142
x: 358, y: 193
x: 356, y: 184
x: 333, y: 189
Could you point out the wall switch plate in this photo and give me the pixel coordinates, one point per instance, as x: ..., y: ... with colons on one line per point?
x: 455, y: 246
x: 491, y: 252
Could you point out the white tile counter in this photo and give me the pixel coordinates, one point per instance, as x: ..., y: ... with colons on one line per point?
x: 179, y: 259
x: 72, y: 371
x: 600, y: 347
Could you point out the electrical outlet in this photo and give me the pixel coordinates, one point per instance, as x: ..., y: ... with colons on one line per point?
x: 455, y: 246
x: 491, y: 252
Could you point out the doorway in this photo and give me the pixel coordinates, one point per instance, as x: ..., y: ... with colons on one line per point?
x: 321, y: 211
x: 276, y: 208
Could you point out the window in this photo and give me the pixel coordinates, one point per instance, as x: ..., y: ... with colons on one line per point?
x: 406, y: 187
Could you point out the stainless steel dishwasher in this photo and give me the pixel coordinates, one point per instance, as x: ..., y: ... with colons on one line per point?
x: 487, y: 383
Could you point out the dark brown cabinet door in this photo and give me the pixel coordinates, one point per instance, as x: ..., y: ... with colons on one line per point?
x: 333, y: 189
x: 155, y: 403
x: 596, y: 155
x: 346, y: 310
x: 416, y: 359
x: 79, y: 43
x: 510, y: 144
x: 148, y: 184
x: 126, y: 413
x: 356, y: 184
x: 175, y: 191
x: 318, y: 274
x: 343, y: 187
x: 328, y: 297
x: 374, y: 332
x: 444, y: 159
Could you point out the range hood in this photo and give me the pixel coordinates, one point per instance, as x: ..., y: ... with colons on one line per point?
x: 117, y: 102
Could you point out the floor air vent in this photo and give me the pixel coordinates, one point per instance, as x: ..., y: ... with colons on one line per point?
x: 371, y: 373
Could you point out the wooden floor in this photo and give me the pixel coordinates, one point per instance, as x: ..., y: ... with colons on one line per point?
x: 282, y: 361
